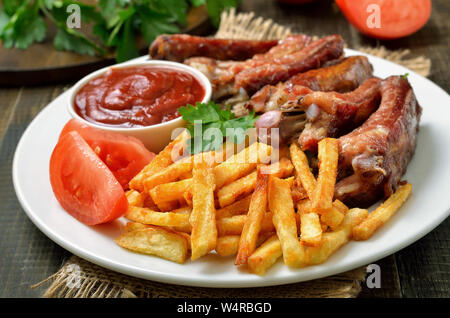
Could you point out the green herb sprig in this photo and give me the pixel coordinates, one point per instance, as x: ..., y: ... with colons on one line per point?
x: 115, y: 22
x: 213, y: 115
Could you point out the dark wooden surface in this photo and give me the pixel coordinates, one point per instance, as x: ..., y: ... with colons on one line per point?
x: 28, y: 256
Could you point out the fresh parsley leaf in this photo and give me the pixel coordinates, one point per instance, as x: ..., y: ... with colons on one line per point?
x: 212, y: 115
x: 28, y: 34
x: 126, y: 47
x: 70, y: 39
x: 198, y: 3
x: 239, y: 127
x: 68, y: 42
x: 4, y: 19
x: 405, y: 76
x: 109, y: 12
x: 175, y: 9
x: 207, y: 113
x: 154, y: 24
x: 22, y: 28
x: 10, y: 6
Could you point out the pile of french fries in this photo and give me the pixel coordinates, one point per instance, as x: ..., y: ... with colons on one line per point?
x: 257, y: 210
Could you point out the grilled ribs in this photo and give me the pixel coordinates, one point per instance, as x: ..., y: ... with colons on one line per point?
x: 375, y: 156
x: 343, y: 76
x: 289, y: 110
x: 331, y: 114
x: 305, y: 87
x: 178, y: 47
x: 293, y: 55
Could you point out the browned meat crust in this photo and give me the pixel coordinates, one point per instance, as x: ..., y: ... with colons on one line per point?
x: 376, y: 154
x: 336, y: 114
x: 222, y: 74
x: 342, y: 77
x: 277, y: 70
x: 179, y: 47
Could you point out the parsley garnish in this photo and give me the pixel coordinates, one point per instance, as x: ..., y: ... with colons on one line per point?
x: 405, y: 76
x: 115, y: 22
x: 212, y: 115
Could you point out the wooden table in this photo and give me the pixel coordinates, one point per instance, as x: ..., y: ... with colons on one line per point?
x: 28, y: 256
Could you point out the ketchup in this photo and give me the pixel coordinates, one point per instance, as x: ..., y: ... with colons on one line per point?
x: 137, y: 96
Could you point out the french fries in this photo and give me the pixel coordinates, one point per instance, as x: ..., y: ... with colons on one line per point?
x: 304, y: 175
x: 322, y: 198
x: 244, y: 186
x: 169, y: 174
x: 133, y: 226
x: 265, y: 210
x: 241, y: 164
x: 252, y: 226
x: 332, y: 241
x: 157, y: 241
x: 235, y: 224
x: 203, y: 215
x: 147, y: 216
x: 383, y: 213
x: 169, y: 192
x: 239, y: 207
x: 227, y: 245
x: 160, y: 162
x: 310, y: 225
x: 135, y: 198
x: 265, y: 256
x: 282, y: 207
x: 237, y: 189
x: 311, y: 229
x: 332, y: 217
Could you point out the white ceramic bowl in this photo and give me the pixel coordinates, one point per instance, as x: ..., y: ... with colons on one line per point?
x: 154, y: 137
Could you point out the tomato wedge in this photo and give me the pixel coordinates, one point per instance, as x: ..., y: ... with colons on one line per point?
x: 125, y: 156
x: 83, y: 184
x: 397, y: 18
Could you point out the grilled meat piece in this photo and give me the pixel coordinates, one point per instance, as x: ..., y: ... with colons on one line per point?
x: 219, y: 73
x: 222, y: 73
x: 327, y: 114
x: 291, y: 56
x: 343, y: 76
x: 178, y: 47
x: 283, y: 101
x: 289, y: 124
x: 277, y: 70
x: 331, y: 114
x: 375, y: 155
x: 289, y: 45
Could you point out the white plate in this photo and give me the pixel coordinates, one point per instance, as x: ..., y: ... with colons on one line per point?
x: 429, y: 205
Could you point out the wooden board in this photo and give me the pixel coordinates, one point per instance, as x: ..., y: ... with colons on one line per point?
x: 42, y: 64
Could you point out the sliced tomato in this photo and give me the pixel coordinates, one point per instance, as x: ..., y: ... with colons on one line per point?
x: 398, y: 18
x: 125, y: 156
x: 83, y: 184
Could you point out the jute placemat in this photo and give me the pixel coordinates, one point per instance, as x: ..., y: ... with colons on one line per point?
x: 79, y: 278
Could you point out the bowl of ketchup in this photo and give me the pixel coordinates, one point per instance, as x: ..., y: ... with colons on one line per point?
x: 139, y: 99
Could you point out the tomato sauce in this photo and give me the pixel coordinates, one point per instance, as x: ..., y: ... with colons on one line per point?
x: 137, y: 96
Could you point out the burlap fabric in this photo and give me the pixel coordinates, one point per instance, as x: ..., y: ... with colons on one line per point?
x: 94, y: 281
